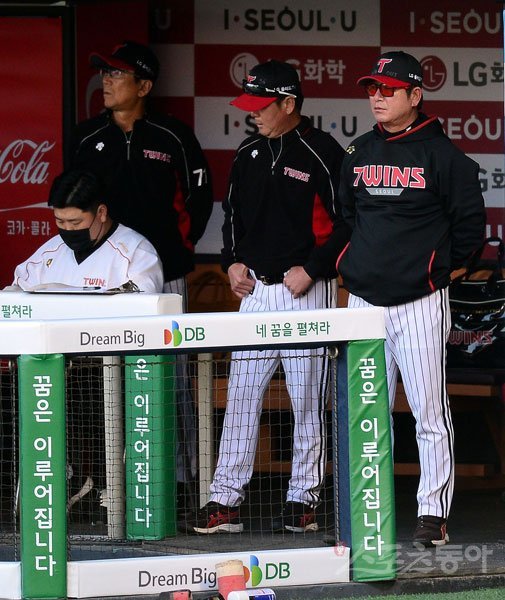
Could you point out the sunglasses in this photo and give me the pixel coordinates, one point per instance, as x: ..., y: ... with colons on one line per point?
x: 386, y: 90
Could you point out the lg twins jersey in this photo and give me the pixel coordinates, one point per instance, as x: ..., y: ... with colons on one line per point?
x: 124, y: 256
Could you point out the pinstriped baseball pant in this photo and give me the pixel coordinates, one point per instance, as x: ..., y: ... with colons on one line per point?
x: 307, y: 377
x: 416, y: 337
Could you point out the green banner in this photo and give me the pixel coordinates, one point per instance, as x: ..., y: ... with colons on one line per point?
x: 370, y: 464
x: 150, y: 433
x: 42, y: 476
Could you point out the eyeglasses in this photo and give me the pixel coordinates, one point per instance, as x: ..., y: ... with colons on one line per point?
x: 386, y: 90
x: 114, y: 73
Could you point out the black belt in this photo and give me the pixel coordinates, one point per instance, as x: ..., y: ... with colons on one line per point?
x: 270, y: 279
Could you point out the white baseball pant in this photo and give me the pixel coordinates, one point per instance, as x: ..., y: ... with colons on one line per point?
x: 416, y: 337
x: 307, y: 381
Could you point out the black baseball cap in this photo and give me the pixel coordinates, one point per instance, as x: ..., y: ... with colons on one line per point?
x: 265, y: 83
x: 396, y: 69
x: 129, y: 56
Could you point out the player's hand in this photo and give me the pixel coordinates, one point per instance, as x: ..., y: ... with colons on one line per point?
x: 297, y: 281
x: 241, y: 282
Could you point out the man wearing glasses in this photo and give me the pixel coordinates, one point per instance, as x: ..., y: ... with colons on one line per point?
x: 158, y: 183
x: 414, y: 203
x: 155, y: 170
x: 282, y: 233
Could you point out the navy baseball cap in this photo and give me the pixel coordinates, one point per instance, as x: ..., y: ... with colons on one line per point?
x: 396, y: 69
x: 129, y: 56
x: 265, y: 83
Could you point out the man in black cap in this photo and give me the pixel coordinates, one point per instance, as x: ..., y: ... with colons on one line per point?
x: 414, y: 203
x: 158, y: 183
x: 155, y: 170
x: 282, y: 233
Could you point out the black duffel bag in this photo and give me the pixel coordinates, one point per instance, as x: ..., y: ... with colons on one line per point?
x: 477, y: 301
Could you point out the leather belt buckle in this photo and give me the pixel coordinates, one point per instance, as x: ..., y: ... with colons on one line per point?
x: 265, y: 280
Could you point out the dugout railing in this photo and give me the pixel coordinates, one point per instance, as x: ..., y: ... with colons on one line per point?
x: 364, y: 479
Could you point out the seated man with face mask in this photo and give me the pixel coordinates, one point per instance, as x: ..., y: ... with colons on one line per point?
x: 90, y: 251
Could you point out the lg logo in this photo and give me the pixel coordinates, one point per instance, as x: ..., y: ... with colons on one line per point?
x: 434, y: 73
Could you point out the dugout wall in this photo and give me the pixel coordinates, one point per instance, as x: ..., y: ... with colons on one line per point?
x: 367, y: 524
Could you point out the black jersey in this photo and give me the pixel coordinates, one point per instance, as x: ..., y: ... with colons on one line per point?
x: 416, y: 209
x: 157, y: 179
x: 282, y: 207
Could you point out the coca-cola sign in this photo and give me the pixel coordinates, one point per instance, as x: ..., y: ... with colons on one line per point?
x: 31, y: 134
x: 22, y: 161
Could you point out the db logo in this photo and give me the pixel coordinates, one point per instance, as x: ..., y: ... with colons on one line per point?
x: 270, y: 571
x: 254, y: 572
x: 175, y: 336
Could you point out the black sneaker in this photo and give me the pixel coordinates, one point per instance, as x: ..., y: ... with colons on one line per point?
x: 430, y: 531
x: 296, y: 517
x: 213, y: 518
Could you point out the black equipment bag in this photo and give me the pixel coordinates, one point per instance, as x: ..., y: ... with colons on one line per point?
x: 477, y: 301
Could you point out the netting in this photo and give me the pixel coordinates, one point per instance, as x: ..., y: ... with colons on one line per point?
x: 97, y: 435
x: 86, y: 457
x: 9, y: 549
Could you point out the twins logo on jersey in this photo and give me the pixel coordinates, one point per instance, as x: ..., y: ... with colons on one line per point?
x: 94, y: 282
x: 389, y: 179
x: 296, y: 174
x: 156, y: 155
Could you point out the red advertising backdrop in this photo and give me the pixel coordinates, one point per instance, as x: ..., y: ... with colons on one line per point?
x: 98, y: 29
x: 332, y: 42
x: 206, y: 48
x: 30, y: 135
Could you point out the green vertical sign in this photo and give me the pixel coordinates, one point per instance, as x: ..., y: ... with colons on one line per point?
x: 150, y: 434
x: 370, y: 464
x: 42, y: 476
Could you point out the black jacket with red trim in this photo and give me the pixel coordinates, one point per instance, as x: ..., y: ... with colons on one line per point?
x: 415, y: 205
x: 157, y: 178
x: 282, y: 208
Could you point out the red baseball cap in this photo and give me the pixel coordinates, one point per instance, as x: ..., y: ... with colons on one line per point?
x: 252, y: 103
